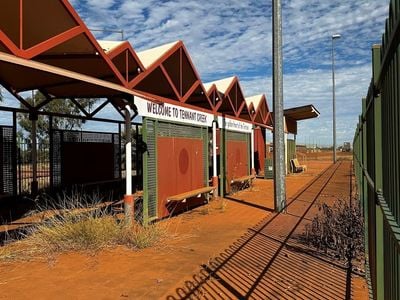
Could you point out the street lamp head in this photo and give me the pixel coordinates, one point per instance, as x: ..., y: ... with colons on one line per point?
x: 336, y: 36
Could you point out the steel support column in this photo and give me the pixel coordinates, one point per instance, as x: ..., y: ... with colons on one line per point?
x: 278, y: 136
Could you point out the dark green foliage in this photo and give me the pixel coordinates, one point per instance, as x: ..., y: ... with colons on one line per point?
x: 63, y: 106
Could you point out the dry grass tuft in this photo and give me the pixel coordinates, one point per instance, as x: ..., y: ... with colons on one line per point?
x: 222, y: 204
x: 80, y: 226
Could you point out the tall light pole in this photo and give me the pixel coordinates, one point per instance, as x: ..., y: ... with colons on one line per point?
x: 279, y: 135
x: 334, y: 37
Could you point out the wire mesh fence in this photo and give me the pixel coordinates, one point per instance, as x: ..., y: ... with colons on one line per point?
x: 25, y: 167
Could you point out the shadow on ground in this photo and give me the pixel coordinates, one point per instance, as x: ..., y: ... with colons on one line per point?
x: 267, y: 262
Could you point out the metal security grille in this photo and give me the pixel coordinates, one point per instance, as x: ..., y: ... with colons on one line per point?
x: 237, y: 136
x: 151, y: 167
x: 55, y: 158
x: 7, y: 152
x: 59, y: 137
x: 176, y: 130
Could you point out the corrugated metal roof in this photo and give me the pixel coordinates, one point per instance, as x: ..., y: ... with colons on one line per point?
x: 222, y: 84
x: 150, y: 56
x: 256, y: 100
x: 108, y: 46
x: 208, y: 86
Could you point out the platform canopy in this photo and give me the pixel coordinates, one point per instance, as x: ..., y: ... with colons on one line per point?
x: 124, y: 58
x: 233, y: 102
x: 295, y: 114
x: 261, y: 114
x: 19, y: 75
x: 170, y: 73
x: 301, y: 112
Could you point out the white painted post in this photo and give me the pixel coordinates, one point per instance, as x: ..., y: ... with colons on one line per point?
x: 286, y: 154
x: 128, y: 198
x: 253, y: 170
x: 214, y: 150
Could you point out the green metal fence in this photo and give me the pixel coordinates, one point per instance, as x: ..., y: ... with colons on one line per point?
x: 377, y: 163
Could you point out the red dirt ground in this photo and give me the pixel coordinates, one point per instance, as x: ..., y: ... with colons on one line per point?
x: 203, y: 236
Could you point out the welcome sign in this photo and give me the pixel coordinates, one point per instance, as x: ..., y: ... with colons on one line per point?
x: 173, y: 113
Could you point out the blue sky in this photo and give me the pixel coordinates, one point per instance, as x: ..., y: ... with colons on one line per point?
x: 234, y: 37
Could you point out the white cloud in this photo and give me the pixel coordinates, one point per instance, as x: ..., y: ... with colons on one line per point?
x: 315, y: 87
x: 234, y: 37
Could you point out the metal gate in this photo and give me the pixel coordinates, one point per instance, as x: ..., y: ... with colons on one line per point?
x: 90, y: 148
x: 8, y: 174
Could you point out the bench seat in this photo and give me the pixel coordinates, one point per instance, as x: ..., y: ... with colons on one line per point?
x: 194, y: 193
x: 297, y: 168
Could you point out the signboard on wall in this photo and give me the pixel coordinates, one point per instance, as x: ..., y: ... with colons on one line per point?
x: 173, y: 113
x: 234, y: 125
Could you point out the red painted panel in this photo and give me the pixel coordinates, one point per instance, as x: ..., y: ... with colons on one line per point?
x: 180, y: 169
x: 237, y: 159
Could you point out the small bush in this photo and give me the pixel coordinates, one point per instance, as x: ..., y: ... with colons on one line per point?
x: 338, y: 229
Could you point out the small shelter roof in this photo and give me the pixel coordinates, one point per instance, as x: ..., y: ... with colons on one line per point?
x: 301, y: 112
x: 295, y: 114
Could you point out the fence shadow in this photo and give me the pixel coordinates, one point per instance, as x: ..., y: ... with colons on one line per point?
x: 265, y: 263
x: 257, y: 266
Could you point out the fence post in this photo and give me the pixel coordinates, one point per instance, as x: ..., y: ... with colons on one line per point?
x: 33, y: 116
x: 380, y: 280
